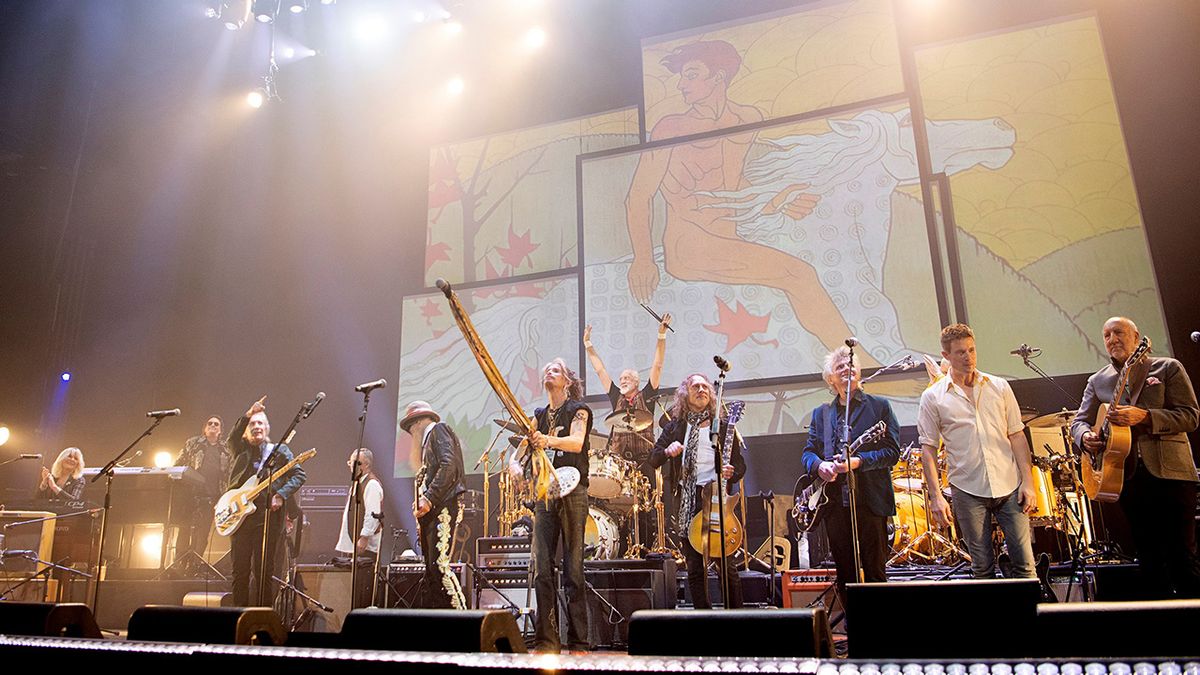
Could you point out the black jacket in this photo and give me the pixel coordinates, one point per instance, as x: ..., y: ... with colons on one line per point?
x: 676, y: 430
x: 874, y: 475
x: 441, y: 455
x: 245, y: 455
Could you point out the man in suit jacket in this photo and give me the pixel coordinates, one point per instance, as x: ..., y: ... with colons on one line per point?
x: 1159, y: 495
x: 685, y: 447
x: 254, y: 453
x: 872, y: 464
x: 438, y: 485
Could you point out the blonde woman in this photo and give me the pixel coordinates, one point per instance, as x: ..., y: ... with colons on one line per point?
x: 63, y: 480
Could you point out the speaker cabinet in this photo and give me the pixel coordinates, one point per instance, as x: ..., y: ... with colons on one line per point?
x: 211, y: 625
x: 48, y: 619
x: 1107, y: 630
x: 330, y: 586
x: 432, y: 630
x: 745, y: 632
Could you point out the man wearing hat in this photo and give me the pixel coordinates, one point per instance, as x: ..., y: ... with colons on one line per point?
x: 436, y: 488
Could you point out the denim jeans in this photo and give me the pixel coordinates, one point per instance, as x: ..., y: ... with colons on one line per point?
x: 563, y: 518
x: 974, y: 523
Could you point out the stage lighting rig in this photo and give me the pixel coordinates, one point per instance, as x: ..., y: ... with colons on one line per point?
x: 233, y: 13
x: 296, y: 6
x: 265, y: 10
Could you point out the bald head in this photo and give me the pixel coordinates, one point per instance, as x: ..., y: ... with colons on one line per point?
x: 1120, y: 337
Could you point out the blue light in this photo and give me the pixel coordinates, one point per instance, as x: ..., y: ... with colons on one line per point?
x: 66, y: 376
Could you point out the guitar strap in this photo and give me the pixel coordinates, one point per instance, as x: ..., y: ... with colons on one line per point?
x: 1137, y: 376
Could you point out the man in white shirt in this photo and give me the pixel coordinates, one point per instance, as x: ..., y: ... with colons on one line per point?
x: 976, y: 417
x: 366, y: 543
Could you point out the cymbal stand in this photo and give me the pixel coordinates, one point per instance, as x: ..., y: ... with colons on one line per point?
x: 942, y: 549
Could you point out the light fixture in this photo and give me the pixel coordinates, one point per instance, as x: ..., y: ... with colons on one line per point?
x: 256, y: 98
x: 163, y: 459
x: 65, y: 376
x: 4, y: 434
x: 297, y: 6
x: 535, y: 38
x: 265, y: 10
x: 451, y: 27
x: 235, y: 13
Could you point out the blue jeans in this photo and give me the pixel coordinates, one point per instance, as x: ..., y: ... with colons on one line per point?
x: 565, y: 518
x: 974, y: 524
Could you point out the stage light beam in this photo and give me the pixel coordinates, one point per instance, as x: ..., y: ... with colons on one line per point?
x: 256, y: 98
x: 163, y: 459
x: 4, y: 434
x: 452, y: 28
x: 535, y: 38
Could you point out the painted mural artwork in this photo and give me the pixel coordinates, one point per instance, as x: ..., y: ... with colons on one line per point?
x: 773, y: 205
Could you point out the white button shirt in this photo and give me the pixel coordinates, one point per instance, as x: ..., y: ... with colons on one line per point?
x: 974, y: 425
x: 372, y: 503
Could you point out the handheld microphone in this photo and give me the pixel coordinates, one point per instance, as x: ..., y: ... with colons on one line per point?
x: 368, y: 386
x: 852, y: 342
x: 163, y: 413
x: 29, y: 456
x: 721, y: 363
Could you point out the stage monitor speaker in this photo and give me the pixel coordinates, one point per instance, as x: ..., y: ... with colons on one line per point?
x: 330, y: 586
x: 1105, y: 630
x: 207, y: 625
x: 432, y: 630
x: 975, y: 618
x: 48, y: 619
x: 800, y: 633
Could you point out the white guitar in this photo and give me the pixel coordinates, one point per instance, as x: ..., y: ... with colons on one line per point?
x: 236, y: 505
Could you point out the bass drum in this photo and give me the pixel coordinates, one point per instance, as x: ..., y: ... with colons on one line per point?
x: 606, y: 475
x: 909, y: 522
x: 601, y: 536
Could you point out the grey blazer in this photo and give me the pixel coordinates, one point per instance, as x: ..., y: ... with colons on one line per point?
x: 1163, y: 388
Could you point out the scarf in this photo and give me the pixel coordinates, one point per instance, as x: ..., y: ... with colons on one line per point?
x: 688, y: 483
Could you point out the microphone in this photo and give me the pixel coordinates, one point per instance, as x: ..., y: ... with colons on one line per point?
x: 1195, y: 336
x: 721, y: 363
x: 444, y: 287
x: 163, y: 413
x: 1022, y: 351
x: 25, y: 455
x: 368, y: 386
x: 316, y: 401
x: 909, y: 364
x: 852, y: 342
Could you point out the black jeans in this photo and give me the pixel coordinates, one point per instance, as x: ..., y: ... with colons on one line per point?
x: 440, y: 588
x: 698, y: 573
x: 1162, y: 516
x: 563, y: 519
x: 246, y: 554
x: 872, y: 543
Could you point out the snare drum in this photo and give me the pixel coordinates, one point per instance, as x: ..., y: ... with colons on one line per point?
x: 601, y: 536
x: 606, y: 474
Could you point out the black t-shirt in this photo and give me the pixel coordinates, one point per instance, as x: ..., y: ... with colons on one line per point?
x: 210, y: 469
x: 614, y: 396
x: 563, y: 419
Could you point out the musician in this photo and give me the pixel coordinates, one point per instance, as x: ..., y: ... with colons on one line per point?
x: 563, y: 426
x: 63, y: 481
x: 437, y: 508
x: 977, y: 417
x: 628, y: 394
x: 250, y: 443
x: 1159, y: 494
x: 209, y: 455
x: 363, y: 544
x: 872, y: 464
x: 685, y: 447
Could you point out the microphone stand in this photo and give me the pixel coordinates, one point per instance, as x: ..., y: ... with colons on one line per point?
x: 719, y: 454
x: 851, y: 482
x: 107, y: 472
x: 1028, y: 360
x: 355, y: 493
x: 268, y: 464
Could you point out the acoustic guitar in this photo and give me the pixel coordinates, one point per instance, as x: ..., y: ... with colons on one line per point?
x: 1104, y: 470
x: 235, y: 506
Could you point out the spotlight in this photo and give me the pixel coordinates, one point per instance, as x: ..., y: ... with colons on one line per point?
x: 297, y: 6
x: 4, y: 434
x: 235, y: 13
x: 328, y: 2
x: 163, y: 459
x: 66, y: 376
x: 288, y: 52
x: 535, y: 38
x: 452, y: 28
x: 455, y: 86
x: 265, y: 10
x: 256, y: 98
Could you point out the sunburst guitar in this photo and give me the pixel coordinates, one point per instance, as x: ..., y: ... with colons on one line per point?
x: 235, y: 506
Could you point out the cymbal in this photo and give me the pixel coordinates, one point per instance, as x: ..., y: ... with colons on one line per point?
x: 509, y: 425
x: 516, y: 441
x: 1028, y: 414
x: 629, y: 420
x: 1058, y: 419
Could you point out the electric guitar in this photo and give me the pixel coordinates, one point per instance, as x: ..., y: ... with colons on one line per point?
x: 1104, y: 470
x: 809, y: 494
x: 236, y: 505
x: 704, y: 532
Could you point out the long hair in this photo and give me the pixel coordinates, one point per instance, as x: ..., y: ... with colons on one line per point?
x: 574, y: 383
x: 679, y: 407
x: 56, y: 468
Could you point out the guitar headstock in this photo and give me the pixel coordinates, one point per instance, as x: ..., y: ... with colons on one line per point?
x: 1140, y: 351
x: 734, y: 411
x: 876, y: 432
x: 306, y: 455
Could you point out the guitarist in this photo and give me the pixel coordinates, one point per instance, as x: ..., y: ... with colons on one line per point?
x: 872, y: 464
x: 251, y: 447
x: 1159, y: 493
x: 686, y: 448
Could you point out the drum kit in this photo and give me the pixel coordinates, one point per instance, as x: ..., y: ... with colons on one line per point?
x: 618, y: 491
x: 1059, y: 504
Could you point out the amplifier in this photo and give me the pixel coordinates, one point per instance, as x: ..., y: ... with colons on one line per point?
x: 811, y: 588
x: 502, y: 553
x: 404, y: 583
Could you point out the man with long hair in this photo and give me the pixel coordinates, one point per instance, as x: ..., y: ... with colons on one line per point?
x: 562, y: 432
x: 685, y: 447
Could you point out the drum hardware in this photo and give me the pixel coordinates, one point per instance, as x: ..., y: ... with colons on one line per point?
x: 914, y: 535
x: 629, y: 421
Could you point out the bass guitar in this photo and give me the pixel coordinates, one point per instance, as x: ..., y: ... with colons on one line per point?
x: 704, y: 532
x: 1104, y: 470
x: 809, y: 494
x: 235, y: 506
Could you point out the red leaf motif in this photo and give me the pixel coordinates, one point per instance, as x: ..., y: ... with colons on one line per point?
x: 436, y: 252
x: 740, y: 325
x: 519, y: 248
x: 429, y: 310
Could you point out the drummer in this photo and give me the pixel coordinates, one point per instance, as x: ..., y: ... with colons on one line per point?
x: 632, y: 435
